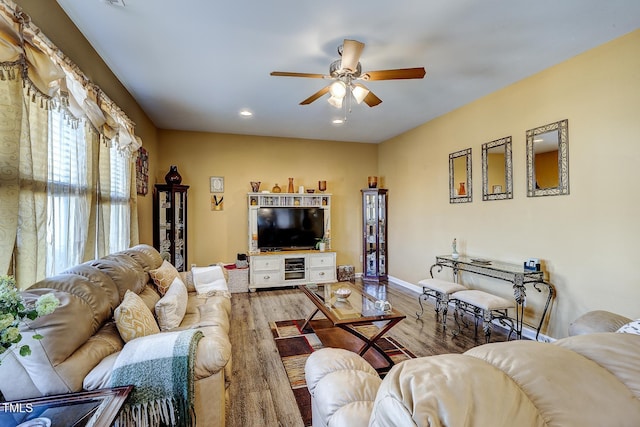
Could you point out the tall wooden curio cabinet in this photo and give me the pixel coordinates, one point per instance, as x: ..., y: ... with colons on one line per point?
x: 170, y: 223
x: 374, y: 224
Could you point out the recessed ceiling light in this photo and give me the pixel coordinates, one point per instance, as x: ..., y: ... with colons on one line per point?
x: 246, y: 113
x: 337, y: 121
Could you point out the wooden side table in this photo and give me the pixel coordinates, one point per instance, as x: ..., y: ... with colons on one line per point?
x: 71, y: 409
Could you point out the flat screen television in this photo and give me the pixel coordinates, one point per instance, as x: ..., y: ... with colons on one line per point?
x: 289, y: 228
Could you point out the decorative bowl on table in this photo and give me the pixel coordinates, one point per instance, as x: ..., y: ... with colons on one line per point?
x: 342, y: 293
x: 310, y: 190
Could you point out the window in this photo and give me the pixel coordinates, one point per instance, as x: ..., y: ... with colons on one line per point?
x: 68, y: 194
x: 120, y: 201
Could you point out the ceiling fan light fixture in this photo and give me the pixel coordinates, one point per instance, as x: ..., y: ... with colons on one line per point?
x: 335, y: 101
x: 338, y: 89
x: 359, y: 93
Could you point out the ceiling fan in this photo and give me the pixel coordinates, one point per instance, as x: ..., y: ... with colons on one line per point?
x: 346, y: 74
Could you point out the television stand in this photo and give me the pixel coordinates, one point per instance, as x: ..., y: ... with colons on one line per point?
x: 291, y: 268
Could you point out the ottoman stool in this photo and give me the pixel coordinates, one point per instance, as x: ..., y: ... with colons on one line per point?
x: 440, y: 290
x: 483, y: 306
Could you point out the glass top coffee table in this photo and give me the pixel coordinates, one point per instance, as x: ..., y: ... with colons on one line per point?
x: 345, y: 314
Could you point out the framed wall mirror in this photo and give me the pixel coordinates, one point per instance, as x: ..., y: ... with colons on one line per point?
x: 548, y: 160
x: 460, y: 177
x: 497, y: 170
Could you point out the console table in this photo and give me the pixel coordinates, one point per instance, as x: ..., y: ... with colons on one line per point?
x: 517, y: 275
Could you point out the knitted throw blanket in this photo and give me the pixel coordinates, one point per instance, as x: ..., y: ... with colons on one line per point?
x: 161, y: 369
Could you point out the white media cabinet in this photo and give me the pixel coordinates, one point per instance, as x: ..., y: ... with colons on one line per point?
x: 288, y: 268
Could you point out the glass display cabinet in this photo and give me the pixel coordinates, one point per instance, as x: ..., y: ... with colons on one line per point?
x: 374, y: 224
x: 170, y: 223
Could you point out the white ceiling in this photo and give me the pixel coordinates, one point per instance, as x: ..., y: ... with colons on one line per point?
x: 194, y: 64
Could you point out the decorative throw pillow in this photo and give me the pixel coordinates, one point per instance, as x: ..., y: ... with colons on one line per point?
x: 172, y: 306
x: 163, y: 276
x: 209, y: 280
x: 133, y: 318
x: 187, y: 279
x: 632, y: 327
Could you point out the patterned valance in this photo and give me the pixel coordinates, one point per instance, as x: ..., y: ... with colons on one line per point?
x: 50, y: 75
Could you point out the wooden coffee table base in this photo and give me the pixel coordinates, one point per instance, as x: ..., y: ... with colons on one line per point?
x: 338, y: 337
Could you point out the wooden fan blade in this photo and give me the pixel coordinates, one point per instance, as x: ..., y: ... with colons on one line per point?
x: 315, y: 96
x: 371, y: 100
x: 400, y: 73
x: 288, y: 74
x: 351, y: 50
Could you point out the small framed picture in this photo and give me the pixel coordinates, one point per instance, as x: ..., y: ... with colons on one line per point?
x: 217, y: 184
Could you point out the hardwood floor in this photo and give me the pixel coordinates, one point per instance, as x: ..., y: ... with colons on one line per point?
x: 260, y: 394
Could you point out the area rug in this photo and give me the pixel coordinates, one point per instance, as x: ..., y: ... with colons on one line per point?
x: 295, y: 345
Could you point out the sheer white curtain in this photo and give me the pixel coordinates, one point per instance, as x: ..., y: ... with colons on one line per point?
x: 79, y: 205
x: 119, y: 199
x: 68, y: 192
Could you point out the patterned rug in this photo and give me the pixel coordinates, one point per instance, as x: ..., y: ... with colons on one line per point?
x: 295, y: 345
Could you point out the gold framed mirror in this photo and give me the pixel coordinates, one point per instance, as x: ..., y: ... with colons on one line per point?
x: 497, y: 170
x: 460, y: 190
x: 548, y: 160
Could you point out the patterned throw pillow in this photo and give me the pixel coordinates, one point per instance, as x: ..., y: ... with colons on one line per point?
x: 172, y: 306
x: 133, y: 318
x: 632, y: 327
x: 163, y: 276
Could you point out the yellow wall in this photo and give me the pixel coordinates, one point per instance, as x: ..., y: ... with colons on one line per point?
x: 219, y: 235
x: 57, y: 26
x: 587, y: 239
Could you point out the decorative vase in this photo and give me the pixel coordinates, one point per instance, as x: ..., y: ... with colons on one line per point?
x: 255, y: 186
x: 276, y: 189
x: 461, y: 190
x: 373, y: 181
x: 290, y: 189
x: 173, y: 177
x: 322, y: 186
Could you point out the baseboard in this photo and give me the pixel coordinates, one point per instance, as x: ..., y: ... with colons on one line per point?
x: 410, y: 286
x: 527, y: 332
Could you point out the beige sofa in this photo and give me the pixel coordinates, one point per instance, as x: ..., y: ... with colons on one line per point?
x: 584, y: 380
x: 81, y: 341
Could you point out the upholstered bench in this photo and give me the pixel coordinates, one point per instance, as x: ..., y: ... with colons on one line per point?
x: 441, y: 291
x: 483, y: 306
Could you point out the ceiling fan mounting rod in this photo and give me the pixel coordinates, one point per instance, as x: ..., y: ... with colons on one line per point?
x: 336, y: 70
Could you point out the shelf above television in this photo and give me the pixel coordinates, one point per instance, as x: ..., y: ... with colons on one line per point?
x: 289, y: 199
x: 256, y: 201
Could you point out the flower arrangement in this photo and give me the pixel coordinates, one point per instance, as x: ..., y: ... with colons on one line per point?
x: 13, y: 311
